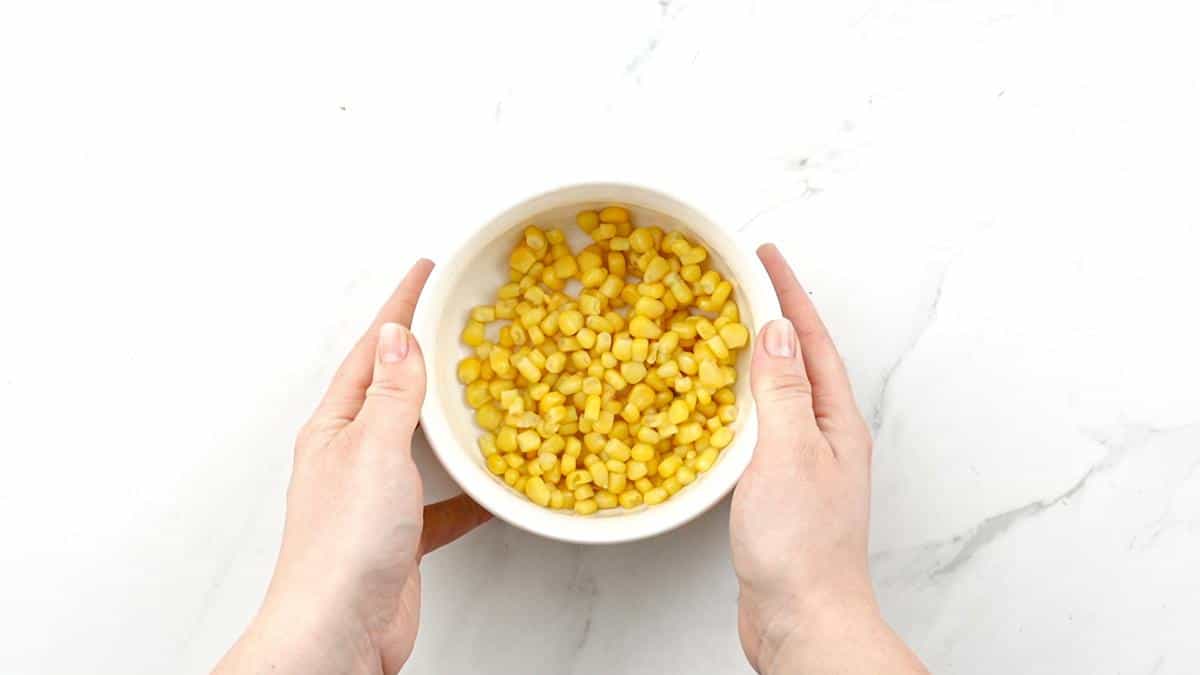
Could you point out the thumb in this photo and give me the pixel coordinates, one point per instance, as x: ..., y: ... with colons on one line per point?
x: 782, y: 391
x: 393, y: 403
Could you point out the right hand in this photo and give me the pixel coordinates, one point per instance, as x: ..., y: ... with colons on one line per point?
x: 799, y: 520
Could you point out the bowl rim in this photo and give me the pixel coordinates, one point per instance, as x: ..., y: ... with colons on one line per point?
x: 680, y: 509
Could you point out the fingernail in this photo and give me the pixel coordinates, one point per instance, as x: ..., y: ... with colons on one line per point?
x: 393, y: 342
x: 780, y: 339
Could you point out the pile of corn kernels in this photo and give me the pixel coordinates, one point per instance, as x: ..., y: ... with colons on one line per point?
x: 619, y: 396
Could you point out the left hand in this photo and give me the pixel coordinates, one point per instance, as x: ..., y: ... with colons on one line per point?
x: 346, y: 592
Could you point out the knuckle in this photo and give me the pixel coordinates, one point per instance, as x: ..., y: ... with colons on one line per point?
x: 790, y: 385
x: 398, y: 391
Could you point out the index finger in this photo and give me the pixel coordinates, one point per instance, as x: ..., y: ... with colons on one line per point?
x: 347, y: 391
x: 833, y: 400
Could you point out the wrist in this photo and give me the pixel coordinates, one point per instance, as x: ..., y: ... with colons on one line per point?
x: 788, y: 629
x: 314, y: 637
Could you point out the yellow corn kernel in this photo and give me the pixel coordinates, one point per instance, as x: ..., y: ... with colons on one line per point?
x: 565, y: 267
x: 727, y: 413
x: 591, y: 410
x: 640, y: 350
x: 506, y: 309
x: 622, y: 347
x: 649, y: 307
x: 614, y: 379
x: 685, y: 329
x: 641, y: 240
x: 630, y: 413
x: 468, y: 370
x: 678, y: 413
x: 636, y: 469
x: 643, y: 485
x: 720, y: 438
x: 605, y: 424
x: 566, y: 464
x: 593, y: 278
x: 604, y: 232
x: 488, y: 417
x: 705, y: 460
x: 671, y: 485
x: 568, y: 344
x: 511, y: 476
x: 617, y: 482
x: 586, y: 507
x: 587, y: 220
x: 599, y: 473
x: 606, y: 500
x: 580, y: 360
x: 509, y: 291
x: 654, y: 291
x: 556, y: 362
x: 630, y: 499
x: 614, y: 214
x: 506, y: 439
x: 532, y: 317
x: 682, y: 294
x: 693, y: 256
x: 708, y: 282
x: 611, y: 286
x: 720, y: 294
x: 663, y: 399
x: 724, y: 396
x: 586, y: 337
x: 478, y: 394
x: 556, y: 499
x: 535, y: 239
x: 657, y: 268
x: 642, y: 452
x: 577, y: 478
x: 590, y: 304
x: 537, y: 491
x: 668, y: 370
x: 668, y: 466
x: 656, y: 495
x: 717, y: 346
x: 496, y: 464
x: 522, y: 259
x: 570, y: 321
x: 647, y: 436
x: 642, y: 327
x: 616, y: 261
x: 514, y: 460
x: 528, y: 370
x: 633, y: 372
x: 735, y: 335
x: 711, y: 375
x: 616, y: 449
x: 487, y: 444
x: 688, y: 433
x: 641, y: 395
x: 483, y: 314
x: 528, y: 440
x: 474, y: 334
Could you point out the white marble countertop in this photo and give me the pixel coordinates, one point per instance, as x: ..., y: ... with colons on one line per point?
x: 993, y: 204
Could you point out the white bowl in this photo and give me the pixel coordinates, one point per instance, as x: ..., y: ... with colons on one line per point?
x: 471, y: 276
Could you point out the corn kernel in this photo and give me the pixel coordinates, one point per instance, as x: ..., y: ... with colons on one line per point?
x: 656, y: 269
x: 614, y: 214
x: 604, y: 232
x: 587, y: 220
x: 649, y: 307
x: 630, y: 499
x: 705, y: 460
x: 657, y: 495
x: 636, y: 469
x: 473, y: 335
x: 642, y: 327
x: 633, y: 372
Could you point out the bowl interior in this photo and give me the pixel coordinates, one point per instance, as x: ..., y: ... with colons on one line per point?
x: 471, y: 278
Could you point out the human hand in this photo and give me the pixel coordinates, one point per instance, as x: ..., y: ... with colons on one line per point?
x: 799, y: 519
x: 346, y: 593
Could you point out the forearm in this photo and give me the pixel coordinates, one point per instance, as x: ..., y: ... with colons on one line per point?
x: 300, y: 642
x: 850, y: 645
